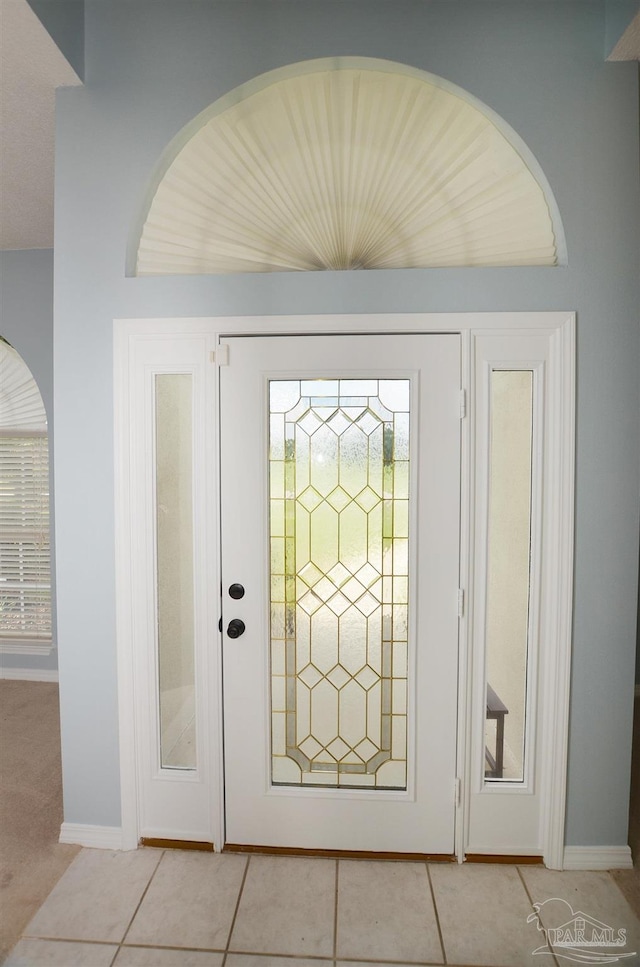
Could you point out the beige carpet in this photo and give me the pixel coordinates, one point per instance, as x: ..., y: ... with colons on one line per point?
x: 31, y: 859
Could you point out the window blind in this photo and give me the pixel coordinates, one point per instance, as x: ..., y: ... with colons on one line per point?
x: 25, y: 581
x: 347, y: 163
x: 25, y: 586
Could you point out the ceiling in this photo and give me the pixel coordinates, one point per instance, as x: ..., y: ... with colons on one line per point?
x: 31, y: 68
x: 628, y: 47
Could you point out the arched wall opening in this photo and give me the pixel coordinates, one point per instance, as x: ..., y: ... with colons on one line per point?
x: 345, y: 163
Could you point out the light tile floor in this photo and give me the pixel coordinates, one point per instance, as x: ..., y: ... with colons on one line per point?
x: 155, y: 908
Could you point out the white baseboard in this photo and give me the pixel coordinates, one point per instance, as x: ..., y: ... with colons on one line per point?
x: 96, y: 837
x: 597, y: 858
x: 29, y: 674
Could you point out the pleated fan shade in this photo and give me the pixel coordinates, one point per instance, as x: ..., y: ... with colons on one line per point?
x: 346, y: 169
x: 21, y: 406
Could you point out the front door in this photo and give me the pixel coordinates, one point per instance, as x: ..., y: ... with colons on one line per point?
x: 340, y: 491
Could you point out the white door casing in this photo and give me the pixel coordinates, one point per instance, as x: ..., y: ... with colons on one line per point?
x: 191, y: 807
x: 170, y: 803
x: 521, y: 817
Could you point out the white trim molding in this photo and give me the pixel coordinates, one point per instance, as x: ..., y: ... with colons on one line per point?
x: 29, y: 674
x: 526, y: 816
x: 153, y: 797
x: 95, y: 837
x: 544, y: 336
x: 597, y: 858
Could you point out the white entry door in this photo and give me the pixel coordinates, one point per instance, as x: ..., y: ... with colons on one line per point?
x: 340, y: 505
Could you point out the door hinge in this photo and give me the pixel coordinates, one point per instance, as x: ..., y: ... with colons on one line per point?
x: 221, y: 354
x: 457, y: 792
x: 460, y: 603
x: 463, y: 403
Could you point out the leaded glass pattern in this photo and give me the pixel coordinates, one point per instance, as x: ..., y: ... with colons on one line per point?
x: 339, y: 536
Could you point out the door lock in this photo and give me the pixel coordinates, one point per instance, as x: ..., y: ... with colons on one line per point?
x: 236, y: 591
x: 235, y: 628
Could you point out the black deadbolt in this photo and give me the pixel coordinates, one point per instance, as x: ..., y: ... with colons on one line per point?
x: 236, y: 628
x: 236, y: 591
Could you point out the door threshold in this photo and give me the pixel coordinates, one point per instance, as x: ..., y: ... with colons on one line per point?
x: 512, y: 860
x: 177, y: 844
x: 345, y: 854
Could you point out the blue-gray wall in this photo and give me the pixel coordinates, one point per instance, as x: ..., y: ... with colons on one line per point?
x: 151, y: 67
x: 26, y: 321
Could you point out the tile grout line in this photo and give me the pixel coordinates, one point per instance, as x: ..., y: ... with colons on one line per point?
x: 45, y: 939
x: 235, y: 912
x: 335, y: 917
x: 280, y: 956
x: 402, y: 963
x: 144, y: 893
x: 530, y: 898
x: 246, y: 953
x: 435, y: 910
x: 113, y: 959
x: 168, y: 946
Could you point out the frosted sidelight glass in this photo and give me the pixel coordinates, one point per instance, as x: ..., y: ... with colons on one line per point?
x: 339, y: 495
x: 508, y: 572
x: 174, y: 549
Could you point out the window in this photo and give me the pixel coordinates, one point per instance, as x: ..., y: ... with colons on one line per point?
x: 25, y: 581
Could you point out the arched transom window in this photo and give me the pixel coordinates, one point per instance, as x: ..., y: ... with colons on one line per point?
x: 348, y: 163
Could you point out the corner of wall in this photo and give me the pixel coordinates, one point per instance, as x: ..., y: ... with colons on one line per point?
x: 618, y: 15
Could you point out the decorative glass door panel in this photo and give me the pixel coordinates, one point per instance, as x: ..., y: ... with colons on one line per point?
x: 339, y: 599
x: 339, y: 529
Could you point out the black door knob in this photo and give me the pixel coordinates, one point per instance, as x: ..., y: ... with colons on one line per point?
x: 236, y: 628
x: 236, y: 591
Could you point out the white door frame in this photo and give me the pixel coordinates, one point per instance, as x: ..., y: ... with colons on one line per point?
x: 558, y: 328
